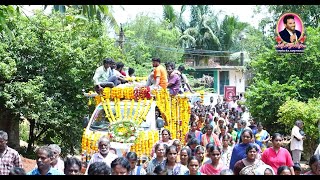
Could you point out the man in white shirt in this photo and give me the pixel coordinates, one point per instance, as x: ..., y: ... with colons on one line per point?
x: 103, y: 155
x: 296, y: 145
x: 57, y: 162
x: 317, y: 151
x: 245, y: 115
x: 105, y: 75
x: 185, y: 86
x: 233, y: 103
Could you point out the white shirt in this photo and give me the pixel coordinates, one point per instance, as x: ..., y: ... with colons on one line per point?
x: 292, y: 34
x: 246, y: 116
x: 184, y: 78
x: 102, y: 75
x: 296, y: 144
x: 135, y: 171
x: 178, y: 166
x: 118, y: 74
x: 59, y: 165
x: 317, y: 152
x: 97, y: 157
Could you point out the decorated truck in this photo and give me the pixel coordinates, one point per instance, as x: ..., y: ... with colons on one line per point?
x: 132, y: 117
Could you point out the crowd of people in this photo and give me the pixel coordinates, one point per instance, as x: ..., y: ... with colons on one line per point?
x: 223, y: 139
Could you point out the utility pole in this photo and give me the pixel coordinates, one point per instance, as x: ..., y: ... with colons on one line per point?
x: 241, y: 58
x: 121, y: 37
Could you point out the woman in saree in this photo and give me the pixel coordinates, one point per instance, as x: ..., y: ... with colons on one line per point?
x: 171, y: 164
x: 314, y: 164
x: 249, y: 164
x: 262, y: 137
x: 165, y: 139
x: 194, y: 132
x: 216, y: 165
x: 210, y: 137
x: 185, y: 154
x: 239, y: 150
x: 199, y: 153
x: 226, y: 151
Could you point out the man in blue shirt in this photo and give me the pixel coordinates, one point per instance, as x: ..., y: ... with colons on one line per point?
x: 44, y: 156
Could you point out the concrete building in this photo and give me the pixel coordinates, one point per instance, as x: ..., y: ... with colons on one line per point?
x: 230, y: 71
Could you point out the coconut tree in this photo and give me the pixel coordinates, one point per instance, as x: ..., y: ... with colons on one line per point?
x: 231, y: 31
x: 201, y: 34
x: 91, y: 12
x: 175, y: 19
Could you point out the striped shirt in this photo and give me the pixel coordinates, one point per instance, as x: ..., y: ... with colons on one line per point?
x: 8, y: 159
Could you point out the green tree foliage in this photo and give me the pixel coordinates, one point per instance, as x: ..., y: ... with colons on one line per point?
x: 7, y: 64
x: 203, y: 29
x: 265, y: 97
x: 309, y: 113
x: 147, y: 38
x: 50, y: 60
x: 229, y: 31
x: 281, y: 76
x: 310, y: 14
x: 174, y: 18
x: 254, y: 42
x: 102, y: 13
x: 7, y: 13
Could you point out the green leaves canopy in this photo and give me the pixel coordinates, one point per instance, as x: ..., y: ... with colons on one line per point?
x: 46, y: 66
x: 282, y: 76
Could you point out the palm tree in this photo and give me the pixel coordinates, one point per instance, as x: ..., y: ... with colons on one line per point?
x: 201, y: 33
x: 175, y: 18
x: 91, y: 12
x: 230, y: 32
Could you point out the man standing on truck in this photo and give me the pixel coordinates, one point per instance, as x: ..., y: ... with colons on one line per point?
x: 174, y: 80
x: 158, y: 77
x: 184, y: 86
x: 103, y: 155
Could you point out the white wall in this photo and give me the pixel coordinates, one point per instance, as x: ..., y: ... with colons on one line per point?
x: 237, y: 78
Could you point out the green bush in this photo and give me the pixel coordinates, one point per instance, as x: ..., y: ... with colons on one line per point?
x: 309, y: 113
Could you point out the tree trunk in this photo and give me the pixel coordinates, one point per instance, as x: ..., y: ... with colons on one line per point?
x: 10, y: 124
x: 31, y: 135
